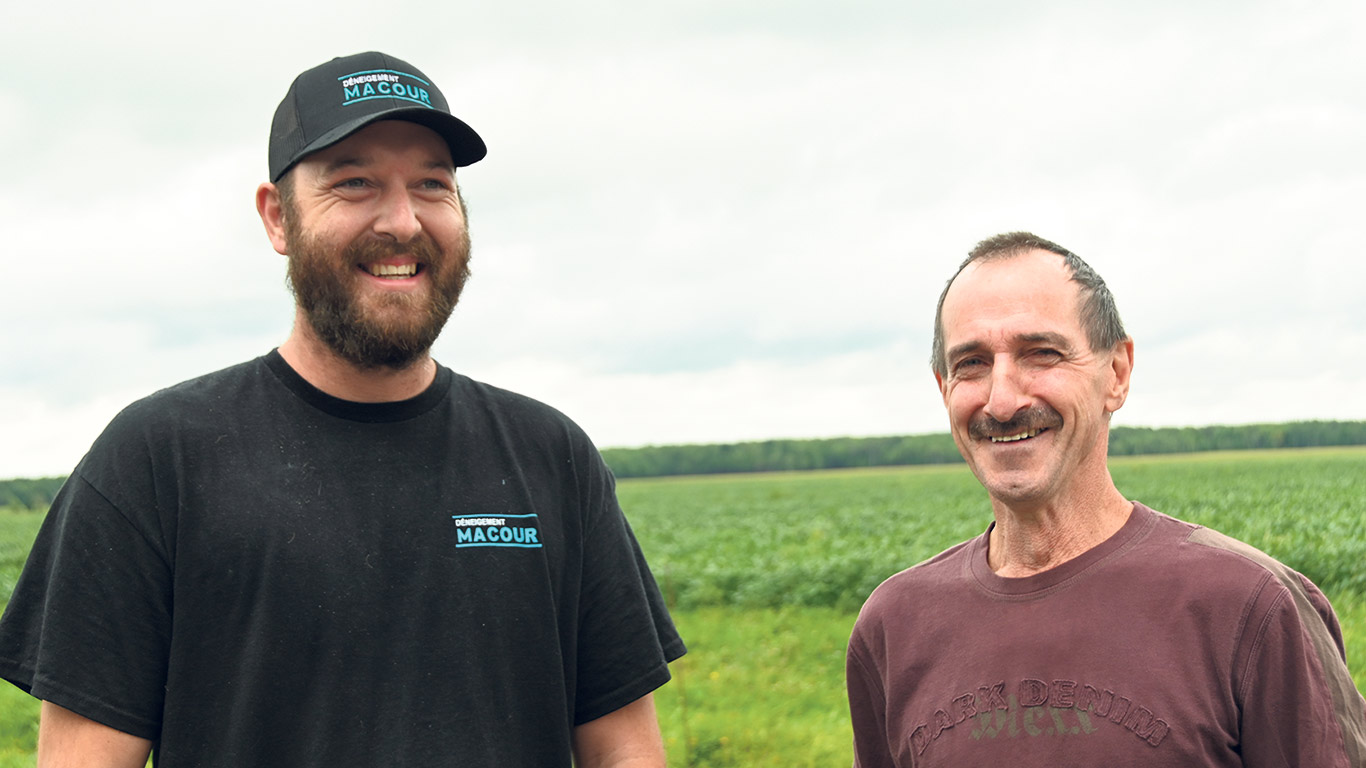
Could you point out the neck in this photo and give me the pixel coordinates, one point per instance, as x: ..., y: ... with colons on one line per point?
x: 321, y: 367
x: 1032, y: 538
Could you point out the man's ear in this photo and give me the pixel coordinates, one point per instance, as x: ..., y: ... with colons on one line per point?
x: 272, y: 215
x: 1121, y: 370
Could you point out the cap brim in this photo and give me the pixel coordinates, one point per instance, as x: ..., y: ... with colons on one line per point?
x: 465, y: 145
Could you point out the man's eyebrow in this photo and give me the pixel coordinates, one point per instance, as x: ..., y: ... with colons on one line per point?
x: 360, y: 161
x: 1042, y: 337
x: 345, y: 161
x: 958, y: 350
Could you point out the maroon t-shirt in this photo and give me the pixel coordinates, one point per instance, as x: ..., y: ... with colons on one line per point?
x: 1167, y: 645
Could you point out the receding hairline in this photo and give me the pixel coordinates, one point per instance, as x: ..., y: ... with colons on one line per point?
x: 1099, y: 315
x: 1011, y: 254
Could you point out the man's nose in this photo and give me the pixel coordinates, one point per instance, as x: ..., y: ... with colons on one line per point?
x: 1007, y: 395
x: 397, y: 217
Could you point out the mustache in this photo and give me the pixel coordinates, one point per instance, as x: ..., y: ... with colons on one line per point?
x: 367, y: 249
x: 1034, y: 417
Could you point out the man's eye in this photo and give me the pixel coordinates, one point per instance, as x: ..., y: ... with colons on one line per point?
x: 352, y: 184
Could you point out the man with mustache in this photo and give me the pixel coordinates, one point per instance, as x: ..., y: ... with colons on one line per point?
x: 1082, y: 628
x: 343, y: 553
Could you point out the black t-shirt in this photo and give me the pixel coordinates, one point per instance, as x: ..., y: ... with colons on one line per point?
x: 251, y: 572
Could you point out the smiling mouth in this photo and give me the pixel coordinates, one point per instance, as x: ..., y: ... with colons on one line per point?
x: 1021, y: 436
x: 391, y: 271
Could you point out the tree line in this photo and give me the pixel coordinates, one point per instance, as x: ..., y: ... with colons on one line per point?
x: 27, y: 494
x: 846, y: 452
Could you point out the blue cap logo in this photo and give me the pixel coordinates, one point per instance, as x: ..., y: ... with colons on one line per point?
x: 384, y: 84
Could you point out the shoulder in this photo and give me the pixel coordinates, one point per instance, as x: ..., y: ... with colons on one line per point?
x: 149, y: 427
x: 131, y: 464
x: 538, y: 438
x: 218, y: 391
x: 1223, y: 568
x: 1219, y: 558
x: 1290, y: 655
x: 508, y: 410
x: 504, y: 399
x: 1213, y: 545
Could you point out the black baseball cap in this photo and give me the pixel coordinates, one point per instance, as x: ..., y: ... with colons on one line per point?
x: 334, y: 100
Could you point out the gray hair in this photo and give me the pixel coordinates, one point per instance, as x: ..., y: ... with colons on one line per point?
x: 1099, y: 316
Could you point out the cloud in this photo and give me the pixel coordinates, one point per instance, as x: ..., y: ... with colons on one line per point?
x: 708, y: 221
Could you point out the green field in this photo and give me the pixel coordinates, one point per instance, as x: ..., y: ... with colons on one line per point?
x: 766, y: 574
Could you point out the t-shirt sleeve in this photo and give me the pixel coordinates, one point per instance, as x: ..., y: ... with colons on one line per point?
x: 87, y: 626
x: 1325, y: 612
x: 867, y: 708
x: 626, y: 637
x: 1298, y: 703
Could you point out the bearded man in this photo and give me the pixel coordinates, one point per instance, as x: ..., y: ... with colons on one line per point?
x: 343, y: 553
x: 1082, y: 628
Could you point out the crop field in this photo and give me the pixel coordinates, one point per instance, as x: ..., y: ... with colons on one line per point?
x: 766, y: 573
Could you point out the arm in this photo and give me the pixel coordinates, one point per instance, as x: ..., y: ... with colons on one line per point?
x: 1298, y: 703
x: 628, y: 737
x: 867, y: 711
x: 68, y: 740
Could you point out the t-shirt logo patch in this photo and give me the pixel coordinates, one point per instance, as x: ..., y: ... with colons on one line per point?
x: 522, y: 531
x: 384, y: 84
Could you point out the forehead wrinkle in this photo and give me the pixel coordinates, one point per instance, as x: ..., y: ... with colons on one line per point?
x: 1045, y: 337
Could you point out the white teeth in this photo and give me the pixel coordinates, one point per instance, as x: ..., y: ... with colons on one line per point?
x: 392, y: 270
x: 1013, y: 438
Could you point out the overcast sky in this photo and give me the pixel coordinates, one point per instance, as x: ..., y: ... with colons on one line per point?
x: 710, y: 220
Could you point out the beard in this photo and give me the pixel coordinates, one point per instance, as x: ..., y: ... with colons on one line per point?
x: 396, y: 330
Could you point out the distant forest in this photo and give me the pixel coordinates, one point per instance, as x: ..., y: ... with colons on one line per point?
x: 844, y: 452
x: 29, y: 494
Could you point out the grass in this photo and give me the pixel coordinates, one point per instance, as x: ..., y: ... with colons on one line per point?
x: 766, y: 574
x: 752, y: 561
x: 759, y: 687
x: 1351, y: 611
x: 18, y: 710
x: 827, y: 538
x: 17, y: 530
x: 18, y: 727
x: 823, y: 538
